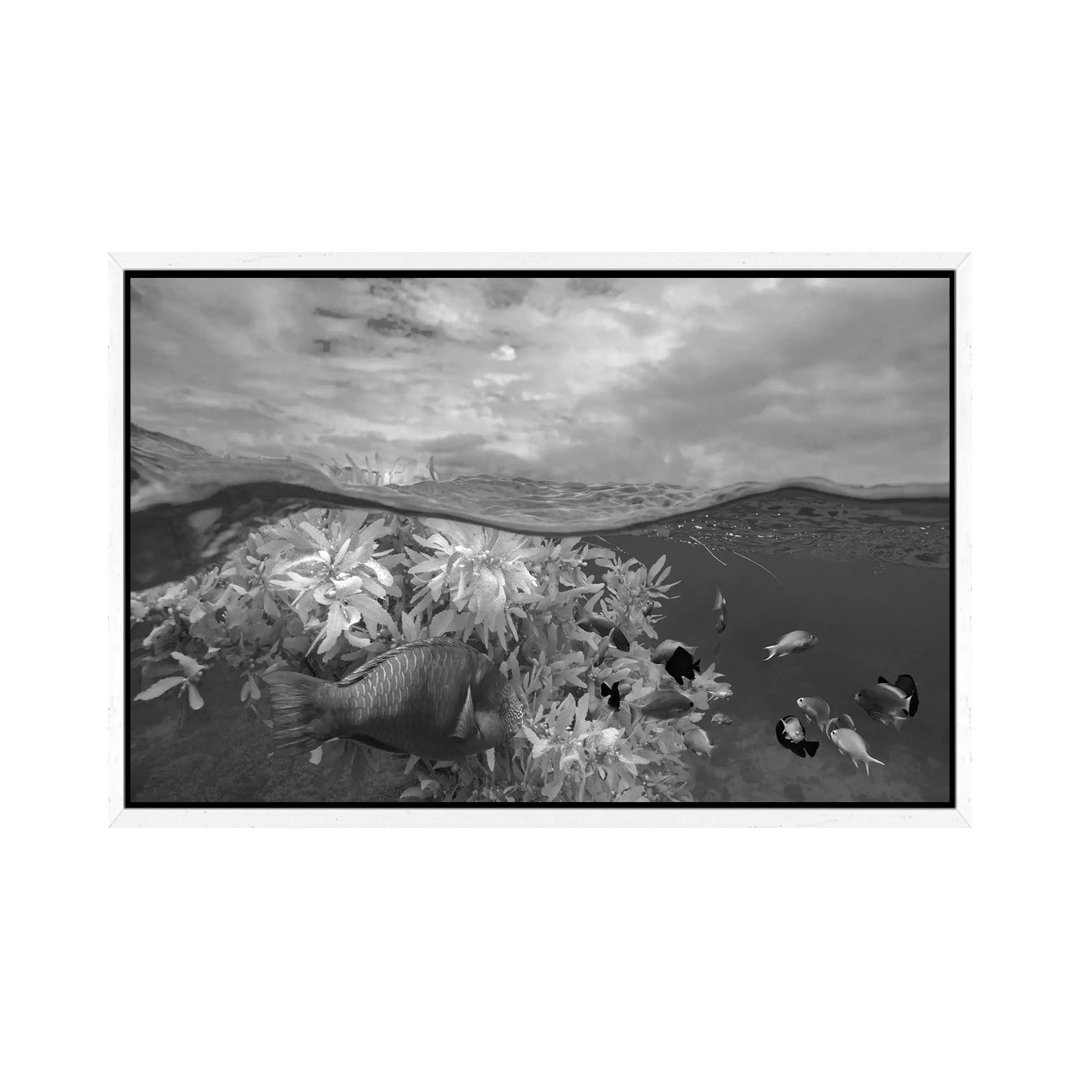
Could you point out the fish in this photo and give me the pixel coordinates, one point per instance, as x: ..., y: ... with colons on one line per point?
x: 438, y: 699
x: 682, y: 666
x: 720, y: 606
x: 843, y: 720
x: 792, y: 642
x: 791, y: 735
x: 848, y: 741
x: 906, y: 685
x: 886, y: 703
x: 601, y: 653
x: 816, y: 708
x: 661, y: 705
x: 612, y: 694
x: 667, y: 649
x: 605, y: 628
x: 696, y: 740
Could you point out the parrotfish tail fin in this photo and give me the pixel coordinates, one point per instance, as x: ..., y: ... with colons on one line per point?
x: 811, y: 748
x: 297, y: 716
x: 771, y: 650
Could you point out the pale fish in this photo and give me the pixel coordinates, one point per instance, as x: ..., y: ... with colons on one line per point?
x: 848, y: 741
x: 816, y: 708
x: 792, y: 642
x: 843, y: 720
x: 720, y: 607
x: 696, y: 740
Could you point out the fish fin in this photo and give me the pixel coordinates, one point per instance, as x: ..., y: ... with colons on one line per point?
x: 780, y: 734
x: 466, y: 722
x: 605, y: 690
x: 875, y: 761
x: 771, y: 650
x: 297, y: 717
x: 811, y: 748
x: 882, y: 679
x: 798, y: 749
x: 718, y: 603
x: 907, y: 684
x: 697, y: 666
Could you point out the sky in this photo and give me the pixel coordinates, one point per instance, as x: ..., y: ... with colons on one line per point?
x: 695, y: 381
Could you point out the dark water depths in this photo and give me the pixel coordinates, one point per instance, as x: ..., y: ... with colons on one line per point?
x: 866, y: 570
x: 871, y: 617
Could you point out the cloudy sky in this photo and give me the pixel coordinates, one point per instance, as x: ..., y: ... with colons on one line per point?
x: 697, y: 381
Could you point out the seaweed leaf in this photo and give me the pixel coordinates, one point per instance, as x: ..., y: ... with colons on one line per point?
x: 160, y: 687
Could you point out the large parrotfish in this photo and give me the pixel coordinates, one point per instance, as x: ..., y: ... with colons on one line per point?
x: 437, y: 699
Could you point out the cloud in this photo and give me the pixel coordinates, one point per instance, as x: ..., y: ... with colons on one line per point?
x: 697, y: 380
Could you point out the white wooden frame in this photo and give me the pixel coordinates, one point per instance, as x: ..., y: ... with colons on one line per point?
x: 679, y: 817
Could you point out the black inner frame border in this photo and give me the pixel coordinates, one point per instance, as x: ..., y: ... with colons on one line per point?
x: 131, y: 276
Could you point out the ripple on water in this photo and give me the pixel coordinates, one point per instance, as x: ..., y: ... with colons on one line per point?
x: 189, y: 507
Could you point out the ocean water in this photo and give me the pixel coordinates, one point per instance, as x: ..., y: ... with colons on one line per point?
x: 866, y: 570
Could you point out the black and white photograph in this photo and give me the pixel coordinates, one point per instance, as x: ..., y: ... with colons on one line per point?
x: 549, y: 539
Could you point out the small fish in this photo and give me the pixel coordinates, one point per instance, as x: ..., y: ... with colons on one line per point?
x: 612, y: 694
x: 886, y: 703
x: 816, y: 708
x: 436, y: 699
x: 848, y: 741
x: 667, y: 649
x: 791, y: 735
x: 696, y: 740
x: 843, y: 720
x: 602, y: 652
x: 792, y: 642
x: 720, y: 606
x: 906, y: 685
x: 605, y: 628
x: 721, y: 718
x: 661, y: 705
x: 682, y: 666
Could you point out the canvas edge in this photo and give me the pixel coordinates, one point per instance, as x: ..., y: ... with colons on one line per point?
x: 692, y: 817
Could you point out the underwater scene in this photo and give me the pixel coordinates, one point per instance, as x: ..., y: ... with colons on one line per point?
x: 312, y: 627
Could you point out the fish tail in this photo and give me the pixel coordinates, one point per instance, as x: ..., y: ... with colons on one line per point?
x: 772, y: 650
x: 875, y: 761
x: 298, y: 711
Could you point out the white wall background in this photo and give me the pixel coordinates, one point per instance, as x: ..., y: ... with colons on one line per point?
x: 562, y: 127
